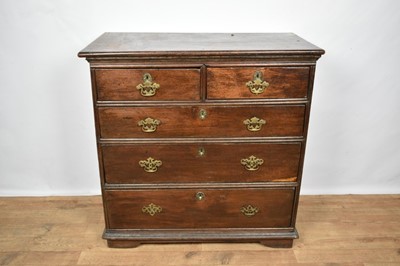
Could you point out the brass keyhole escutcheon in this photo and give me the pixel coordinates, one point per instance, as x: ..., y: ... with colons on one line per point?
x: 201, y: 152
x: 148, y: 88
x: 202, y: 114
x: 200, y: 195
x: 257, y: 85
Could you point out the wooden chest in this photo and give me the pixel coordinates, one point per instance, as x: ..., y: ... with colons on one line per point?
x: 201, y: 137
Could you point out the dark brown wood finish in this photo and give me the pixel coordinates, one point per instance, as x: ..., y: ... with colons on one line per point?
x: 175, y: 84
x: 185, y: 121
x: 125, y: 238
x: 307, y: 117
x: 218, y: 209
x: 126, y: 44
x: 203, y: 162
x: 201, y: 73
x: 230, y: 83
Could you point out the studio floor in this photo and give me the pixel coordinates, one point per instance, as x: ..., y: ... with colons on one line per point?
x: 334, y: 230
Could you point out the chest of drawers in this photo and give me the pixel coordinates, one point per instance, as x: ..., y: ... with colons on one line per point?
x: 201, y: 137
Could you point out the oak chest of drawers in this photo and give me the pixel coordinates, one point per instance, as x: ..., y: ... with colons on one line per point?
x: 201, y: 137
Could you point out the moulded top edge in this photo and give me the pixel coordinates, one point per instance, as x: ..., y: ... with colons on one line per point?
x: 198, y: 44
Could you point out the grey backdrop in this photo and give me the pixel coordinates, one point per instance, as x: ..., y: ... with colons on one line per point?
x: 47, y: 139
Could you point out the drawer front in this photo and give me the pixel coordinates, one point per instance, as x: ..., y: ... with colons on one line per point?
x: 257, y: 82
x: 201, y: 121
x: 202, y: 162
x: 148, y: 84
x: 205, y: 208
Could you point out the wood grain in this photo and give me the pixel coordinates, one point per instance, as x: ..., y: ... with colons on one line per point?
x: 191, y: 44
x: 230, y: 83
x: 175, y: 84
x: 201, y: 100
x: 181, y: 208
x: 335, y: 230
x: 182, y: 163
x: 185, y: 121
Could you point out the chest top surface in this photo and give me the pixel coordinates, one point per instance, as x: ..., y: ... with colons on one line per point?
x: 123, y: 43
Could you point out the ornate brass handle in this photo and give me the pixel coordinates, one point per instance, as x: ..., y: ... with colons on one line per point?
x: 252, y: 163
x: 249, y: 210
x: 152, y: 209
x: 149, y: 124
x: 150, y: 165
x: 148, y: 88
x: 257, y: 85
x: 254, y: 123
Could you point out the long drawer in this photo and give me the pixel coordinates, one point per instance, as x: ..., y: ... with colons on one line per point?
x: 257, y: 82
x: 201, y: 162
x: 202, y: 121
x: 206, y: 208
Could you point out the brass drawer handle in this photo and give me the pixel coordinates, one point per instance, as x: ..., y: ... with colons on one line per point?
x: 148, y: 88
x: 257, y: 85
x: 249, y: 210
x: 150, y: 165
x: 200, y: 195
x: 254, y: 123
x: 252, y: 163
x: 152, y: 209
x: 149, y: 124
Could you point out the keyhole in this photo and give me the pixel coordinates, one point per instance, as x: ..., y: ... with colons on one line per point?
x: 258, y: 75
x: 202, y: 151
x: 147, y: 76
x: 200, y: 195
x: 202, y: 114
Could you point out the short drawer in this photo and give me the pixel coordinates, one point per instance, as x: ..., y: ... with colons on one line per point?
x: 147, y: 84
x: 202, y: 121
x: 200, y: 162
x: 257, y: 82
x: 203, y: 208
